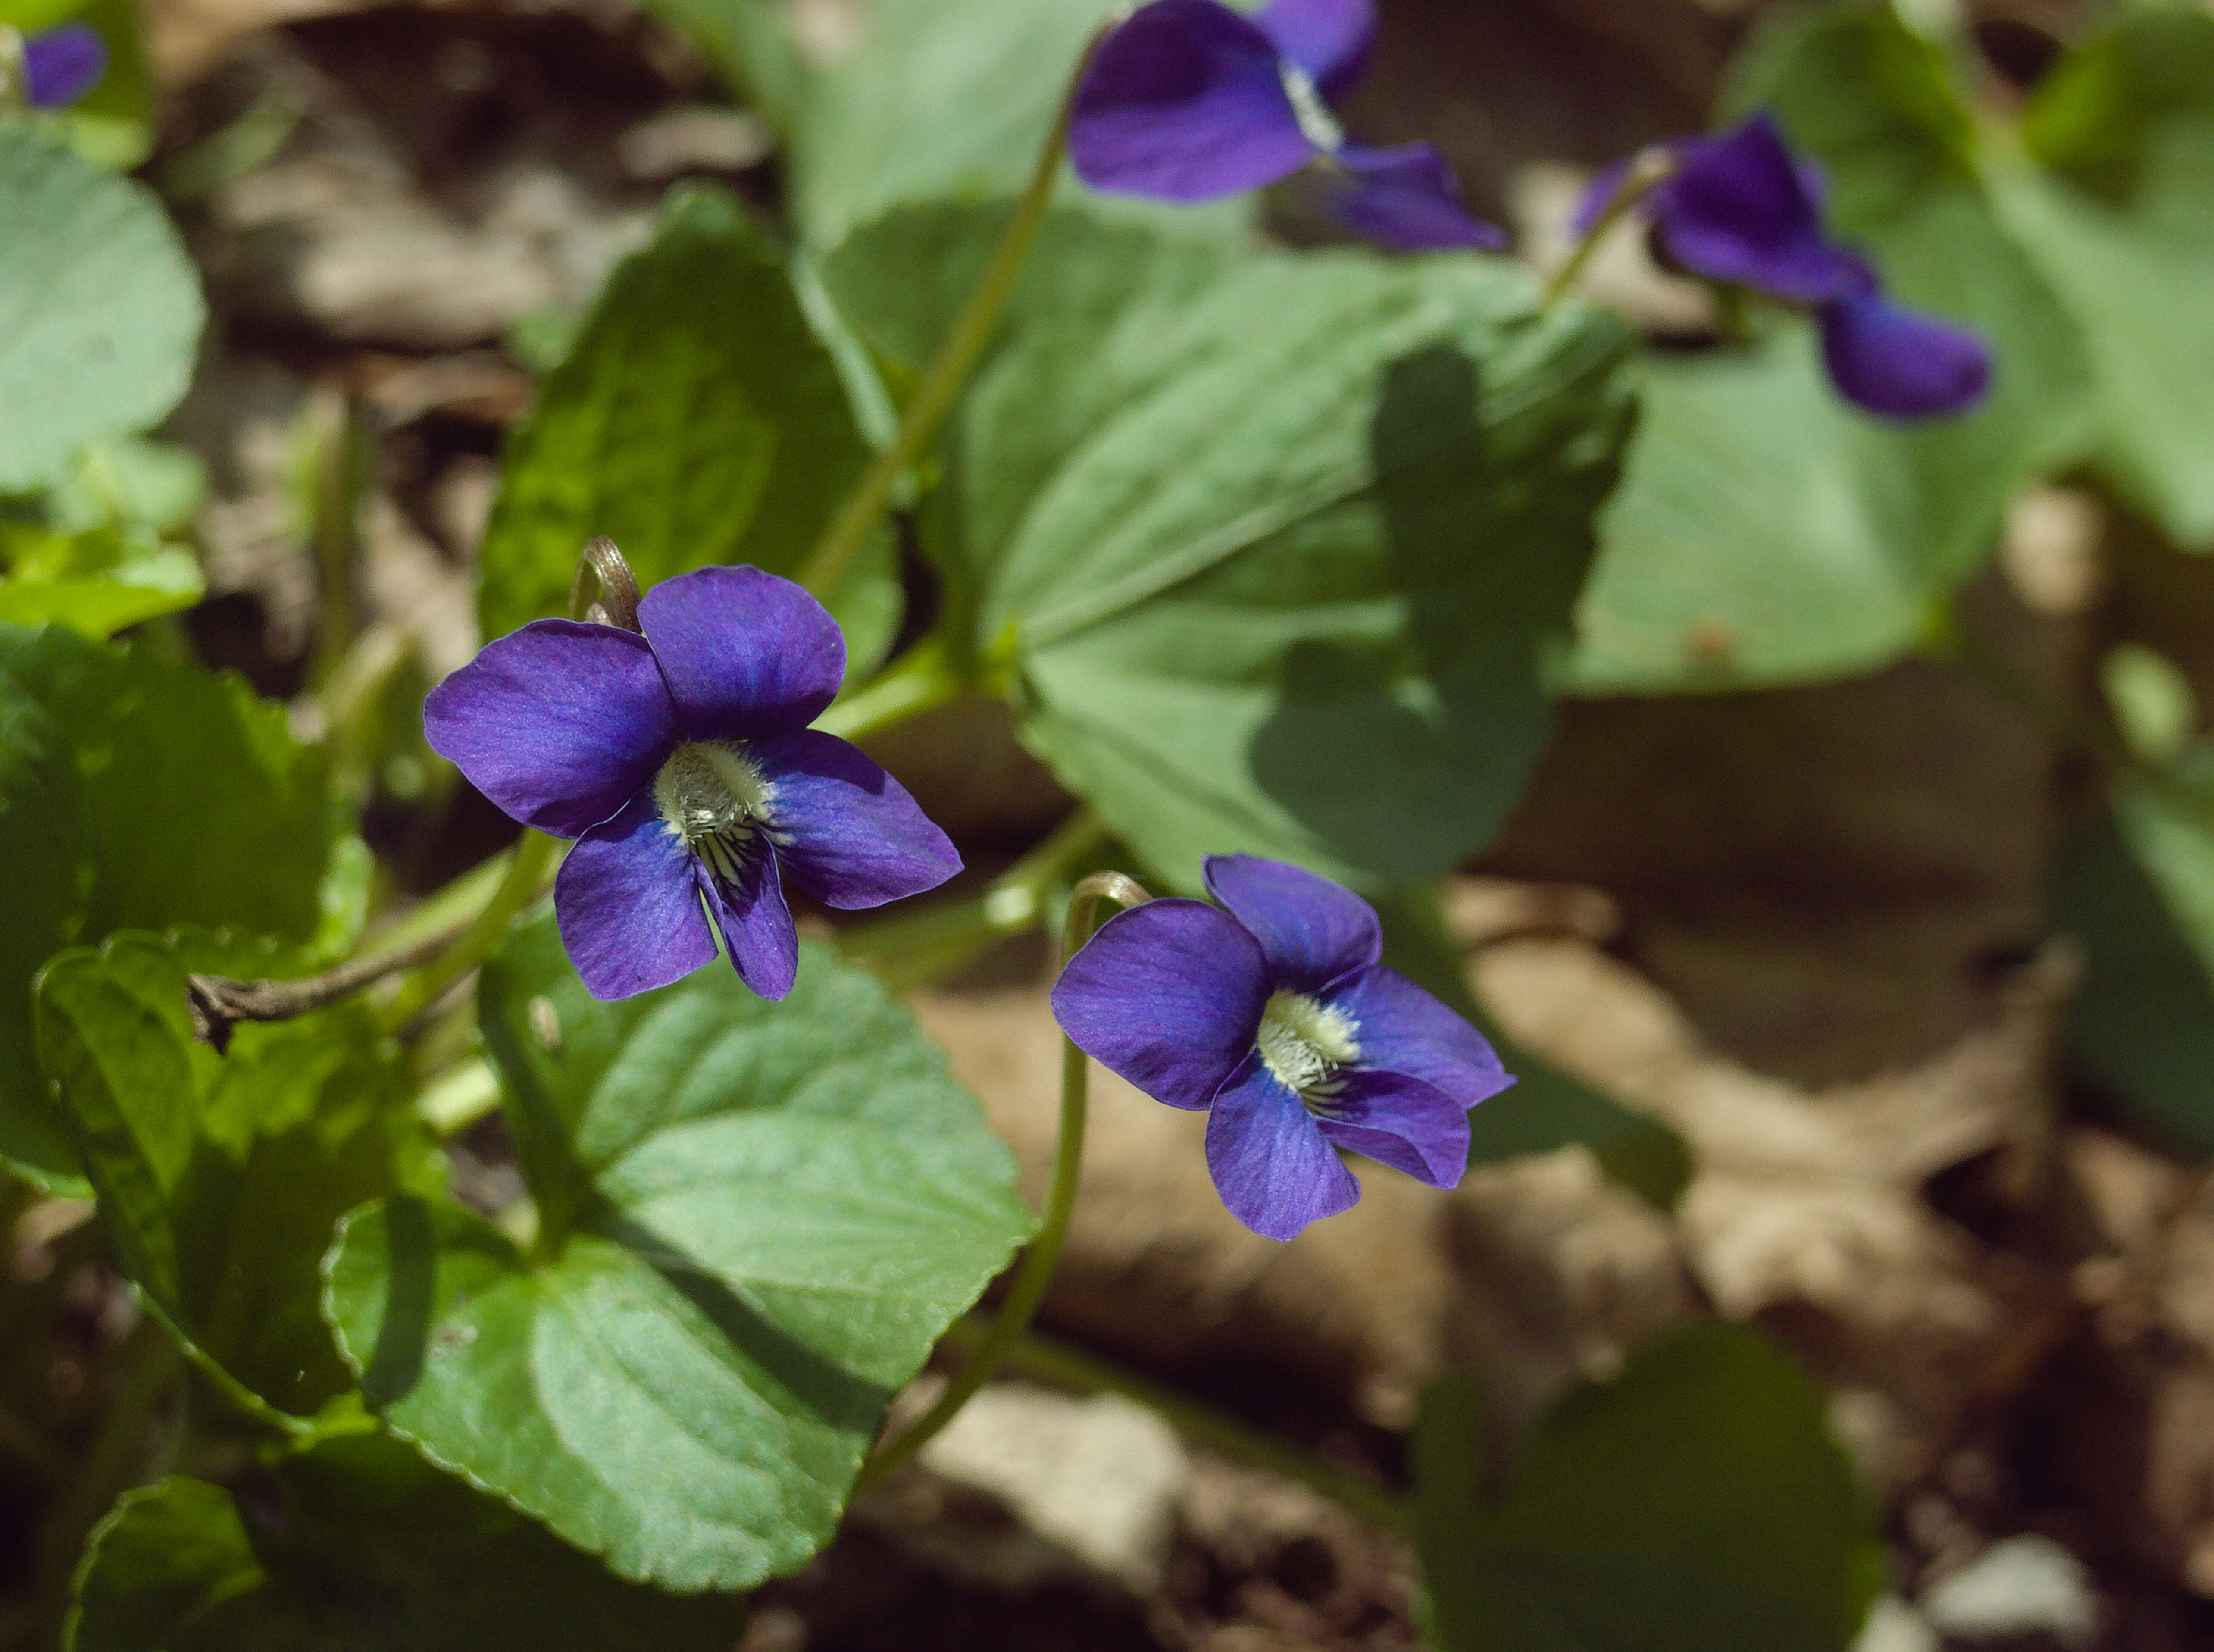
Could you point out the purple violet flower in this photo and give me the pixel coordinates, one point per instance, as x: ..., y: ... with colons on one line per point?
x: 1188, y: 101
x: 1740, y: 209
x: 61, y: 65
x: 1275, y: 1017
x: 682, y: 763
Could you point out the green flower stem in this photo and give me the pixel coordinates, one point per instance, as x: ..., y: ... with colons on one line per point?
x: 916, y: 949
x: 920, y: 680
x: 1651, y: 168
x: 1037, y: 1264
x: 1071, y: 1368
x: 534, y: 857
x: 941, y: 384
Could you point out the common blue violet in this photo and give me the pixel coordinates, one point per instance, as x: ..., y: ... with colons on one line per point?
x: 1741, y: 208
x: 1188, y: 101
x: 1271, y: 1013
x: 61, y: 65
x: 682, y: 761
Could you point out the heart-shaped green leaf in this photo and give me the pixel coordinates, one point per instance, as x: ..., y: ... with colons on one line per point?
x: 1274, y: 551
x: 99, y: 309
x: 136, y: 791
x: 756, y: 1220
x: 221, y: 1177
x: 2122, y: 224
x: 1698, y: 1499
x: 364, y: 1548
x: 698, y: 417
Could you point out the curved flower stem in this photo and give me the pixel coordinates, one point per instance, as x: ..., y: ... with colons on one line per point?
x: 1650, y: 168
x: 957, y: 357
x: 534, y: 856
x: 1037, y: 1270
x: 616, y: 603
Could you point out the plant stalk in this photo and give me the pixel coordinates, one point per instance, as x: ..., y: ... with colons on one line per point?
x: 1650, y: 167
x: 534, y: 856
x: 1035, y: 1272
x: 857, y: 518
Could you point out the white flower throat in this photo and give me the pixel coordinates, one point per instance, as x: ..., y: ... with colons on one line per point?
x: 712, y: 796
x: 1306, y: 1044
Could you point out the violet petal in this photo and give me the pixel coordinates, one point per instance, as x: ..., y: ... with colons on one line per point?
x: 1404, y: 197
x: 754, y: 921
x: 1311, y: 930
x: 1330, y: 40
x: 1402, y: 1029
x: 1398, y: 1120
x: 1185, y: 101
x: 1167, y: 995
x: 560, y: 723
x: 1272, y: 1164
x: 746, y: 654
x: 61, y: 65
x: 1739, y: 210
x: 846, y: 830
x: 1895, y: 362
x: 629, y: 906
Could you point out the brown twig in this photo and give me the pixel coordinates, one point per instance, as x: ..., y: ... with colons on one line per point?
x: 218, y: 1004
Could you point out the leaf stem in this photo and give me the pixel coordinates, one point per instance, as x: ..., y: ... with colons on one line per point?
x: 1649, y: 168
x: 1059, y: 1362
x: 534, y: 857
x: 1035, y: 1272
x: 941, y: 384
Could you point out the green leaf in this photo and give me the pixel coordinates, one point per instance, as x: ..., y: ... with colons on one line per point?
x: 109, y: 820
x: 1767, y: 532
x: 755, y: 1220
x: 944, y: 99
x: 749, y: 43
x: 697, y: 418
x: 1696, y: 1501
x: 221, y: 1177
x: 99, y: 309
x: 2123, y: 226
x: 2136, y: 891
x: 99, y: 604
x: 1274, y: 551
x: 1546, y: 1109
x: 364, y: 1548
x: 46, y: 880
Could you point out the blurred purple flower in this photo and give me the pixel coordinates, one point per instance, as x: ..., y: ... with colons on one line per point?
x: 1739, y: 208
x: 61, y: 65
x: 1275, y: 1016
x: 1188, y: 101
x: 682, y: 761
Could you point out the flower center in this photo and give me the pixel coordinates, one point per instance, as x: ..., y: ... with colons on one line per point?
x: 1317, y: 124
x: 710, y: 795
x: 1306, y: 1043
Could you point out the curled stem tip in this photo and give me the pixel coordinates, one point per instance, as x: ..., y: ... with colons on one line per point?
x: 1650, y: 168
x: 616, y: 603
x: 1028, y: 1288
